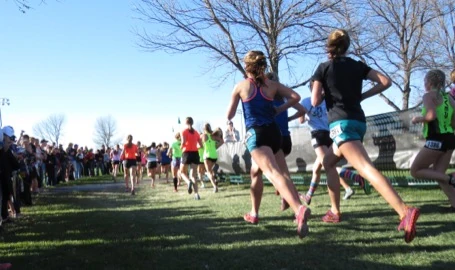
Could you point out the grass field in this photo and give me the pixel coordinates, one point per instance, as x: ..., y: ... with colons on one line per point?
x: 107, y: 228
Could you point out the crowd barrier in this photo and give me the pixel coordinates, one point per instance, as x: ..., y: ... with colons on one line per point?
x: 391, y: 141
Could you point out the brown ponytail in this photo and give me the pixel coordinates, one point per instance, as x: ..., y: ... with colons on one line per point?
x: 256, y: 64
x: 338, y: 43
x: 130, y: 141
x: 189, y: 121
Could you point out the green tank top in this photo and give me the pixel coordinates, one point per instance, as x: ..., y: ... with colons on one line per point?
x: 176, y: 150
x: 443, y: 122
x: 210, y: 148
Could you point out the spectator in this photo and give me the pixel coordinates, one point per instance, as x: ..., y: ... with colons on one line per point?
x: 231, y: 134
x: 79, y: 161
x: 51, y: 163
x: 8, y: 164
x: 43, y: 146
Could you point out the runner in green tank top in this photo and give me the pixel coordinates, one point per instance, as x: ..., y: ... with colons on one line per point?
x: 211, y: 141
x: 210, y: 148
x: 175, y: 153
x: 443, y: 122
x: 438, y: 125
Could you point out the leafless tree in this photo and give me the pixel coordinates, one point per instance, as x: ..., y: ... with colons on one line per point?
x: 227, y: 29
x: 105, y: 130
x: 25, y: 5
x: 51, y: 129
x: 394, y: 40
x: 442, y: 37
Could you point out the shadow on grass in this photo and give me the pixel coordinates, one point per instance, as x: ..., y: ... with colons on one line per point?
x: 112, y: 230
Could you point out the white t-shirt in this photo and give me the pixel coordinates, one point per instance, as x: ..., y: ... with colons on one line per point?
x: 316, y: 116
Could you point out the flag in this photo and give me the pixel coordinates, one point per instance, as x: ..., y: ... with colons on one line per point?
x: 178, y: 122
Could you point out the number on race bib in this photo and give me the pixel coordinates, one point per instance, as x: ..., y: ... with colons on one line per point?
x: 435, y: 145
x: 335, y: 131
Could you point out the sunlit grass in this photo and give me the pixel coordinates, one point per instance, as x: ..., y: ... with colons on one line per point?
x: 159, y: 229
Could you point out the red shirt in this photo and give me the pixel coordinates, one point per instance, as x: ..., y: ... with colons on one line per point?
x: 130, y: 152
x: 191, y: 140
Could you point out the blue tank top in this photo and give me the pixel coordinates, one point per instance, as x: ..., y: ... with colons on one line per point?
x: 258, y: 110
x: 282, y: 119
x: 164, y: 157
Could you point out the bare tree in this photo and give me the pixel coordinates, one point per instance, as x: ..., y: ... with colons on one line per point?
x: 51, y: 129
x: 25, y: 5
x: 227, y: 29
x: 394, y: 40
x: 105, y: 130
x: 442, y: 37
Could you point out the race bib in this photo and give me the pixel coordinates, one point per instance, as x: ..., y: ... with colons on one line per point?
x: 435, y: 145
x: 335, y: 131
x: 314, y: 142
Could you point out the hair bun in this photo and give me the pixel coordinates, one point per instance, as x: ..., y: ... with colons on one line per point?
x: 260, y: 57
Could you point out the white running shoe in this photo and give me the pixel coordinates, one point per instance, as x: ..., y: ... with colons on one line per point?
x: 348, y: 194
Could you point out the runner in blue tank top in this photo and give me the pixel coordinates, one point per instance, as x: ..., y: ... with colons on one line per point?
x: 282, y: 120
x: 263, y: 137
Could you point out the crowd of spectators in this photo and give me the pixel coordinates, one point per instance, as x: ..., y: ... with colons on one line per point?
x: 28, y: 164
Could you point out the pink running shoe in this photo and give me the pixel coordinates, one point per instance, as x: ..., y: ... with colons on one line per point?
x: 302, y: 219
x: 330, y: 217
x: 251, y: 219
x: 408, y: 223
x: 284, y: 205
x: 306, y: 198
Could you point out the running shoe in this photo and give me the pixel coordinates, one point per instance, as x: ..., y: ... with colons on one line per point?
x: 284, y: 205
x: 348, y: 194
x: 215, y: 189
x: 133, y: 192
x: 330, y: 217
x: 306, y: 198
x: 190, y: 187
x: 251, y: 219
x: 197, y: 197
x: 408, y: 223
x: 302, y: 219
x: 365, y: 185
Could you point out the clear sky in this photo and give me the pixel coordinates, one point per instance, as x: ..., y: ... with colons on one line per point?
x: 79, y: 58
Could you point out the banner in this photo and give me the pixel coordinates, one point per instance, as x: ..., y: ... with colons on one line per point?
x: 391, y: 141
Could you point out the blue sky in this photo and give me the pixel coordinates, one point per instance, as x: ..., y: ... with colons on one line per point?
x: 79, y: 58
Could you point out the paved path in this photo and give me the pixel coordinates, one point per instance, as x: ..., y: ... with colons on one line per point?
x: 88, y: 187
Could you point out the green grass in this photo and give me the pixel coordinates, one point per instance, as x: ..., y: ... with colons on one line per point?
x: 159, y: 229
x: 104, y: 179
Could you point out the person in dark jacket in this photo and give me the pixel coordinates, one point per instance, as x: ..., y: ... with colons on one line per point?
x: 8, y: 164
